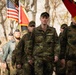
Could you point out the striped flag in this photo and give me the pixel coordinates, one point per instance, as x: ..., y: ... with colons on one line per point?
x: 12, y: 10
x: 71, y: 6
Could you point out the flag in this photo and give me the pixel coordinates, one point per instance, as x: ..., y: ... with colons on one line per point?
x: 23, y: 19
x: 12, y: 10
x: 71, y: 6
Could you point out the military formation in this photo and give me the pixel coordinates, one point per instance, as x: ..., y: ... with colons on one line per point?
x: 41, y: 51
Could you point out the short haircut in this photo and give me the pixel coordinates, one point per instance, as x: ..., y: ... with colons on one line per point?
x: 10, y: 34
x: 45, y: 14
x: 17, y: 30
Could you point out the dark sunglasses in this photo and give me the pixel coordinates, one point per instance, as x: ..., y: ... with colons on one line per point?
x: 32, y: 26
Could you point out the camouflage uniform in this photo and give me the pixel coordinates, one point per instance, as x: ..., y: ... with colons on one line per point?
x: 60, y: 67
x: 44, y: 48
x: 18, y: 71
x: 69, y: 49
x: 20, y: 54
x: 60, y: 70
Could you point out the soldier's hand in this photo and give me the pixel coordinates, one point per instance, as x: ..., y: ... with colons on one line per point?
x: 4, y: 65
x: 18, y: 66
x: 56, y: 58
x: 13, y: 66
x: 30, y: 62
x: 63, y: 62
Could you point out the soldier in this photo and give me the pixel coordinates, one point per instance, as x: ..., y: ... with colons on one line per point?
x: 44, y: 48
x: 10, y: 46
x: 19, y: 57
x: 69, y: 49
x: 60, y: 68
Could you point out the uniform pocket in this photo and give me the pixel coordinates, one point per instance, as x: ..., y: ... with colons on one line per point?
x: 49, y: 38
x: 38, y: 38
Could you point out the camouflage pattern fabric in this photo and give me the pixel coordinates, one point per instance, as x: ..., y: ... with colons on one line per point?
x: 43, y: 67
x: 69, y: 49
x: 60, y: 70
x: 44, y: 47
x: 21, y: 54
x: 71, y: 67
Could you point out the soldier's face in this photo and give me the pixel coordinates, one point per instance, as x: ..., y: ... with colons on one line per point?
x: 30, y: 28
x: 44, y: 20
x: 61, y: 30
x: 17, y: 35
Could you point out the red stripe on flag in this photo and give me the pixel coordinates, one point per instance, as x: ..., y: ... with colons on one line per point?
x: 12, y: 10
x: 23, y: 17
x: 71, y: 6
x: 12, y: 18
x: 12, y: 13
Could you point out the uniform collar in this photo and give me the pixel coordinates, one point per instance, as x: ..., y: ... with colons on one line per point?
x: 40, y: 28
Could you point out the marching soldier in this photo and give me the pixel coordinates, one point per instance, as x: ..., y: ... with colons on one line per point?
x: 60, y: 68
x: 20, y: 56
x: 44, y: 49
x: 68, y: 50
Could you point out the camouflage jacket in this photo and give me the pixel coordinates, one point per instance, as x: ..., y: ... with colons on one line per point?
x: 69, y: 43
x: 44, y: 44
x: 61, y: 44
x: 20, y: 53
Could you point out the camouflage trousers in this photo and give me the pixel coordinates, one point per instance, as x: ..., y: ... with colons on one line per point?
x: 28, y: 69
x: 43, y: 67
x: 60, y: 70
x: 20, y: 71
x: 71, y: 67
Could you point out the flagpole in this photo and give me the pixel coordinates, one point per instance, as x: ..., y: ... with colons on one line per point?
x: 19, y: 13
x: 18, y: 26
